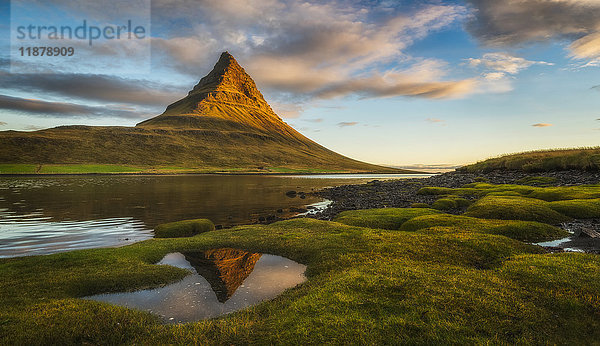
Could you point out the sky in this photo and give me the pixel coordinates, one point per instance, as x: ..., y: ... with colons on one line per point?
x: 402, y: 83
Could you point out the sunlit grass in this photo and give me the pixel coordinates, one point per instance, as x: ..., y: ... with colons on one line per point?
x: 587, y: 159
x: 435, y: 286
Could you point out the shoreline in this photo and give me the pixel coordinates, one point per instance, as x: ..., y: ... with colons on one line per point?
x: 402, y: 193
x: 212, y: 173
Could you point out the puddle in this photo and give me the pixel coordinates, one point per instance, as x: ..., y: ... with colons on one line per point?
x: 562, y: 244
x: 316, y: 208
x: 223, y: 281
x: 575, y: 242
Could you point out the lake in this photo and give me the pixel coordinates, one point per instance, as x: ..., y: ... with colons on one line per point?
x: 47, y: 214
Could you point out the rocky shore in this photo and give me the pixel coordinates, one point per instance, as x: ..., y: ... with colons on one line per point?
x: 403, y: 193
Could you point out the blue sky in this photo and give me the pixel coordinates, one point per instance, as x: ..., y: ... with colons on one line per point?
x: 389, y: 82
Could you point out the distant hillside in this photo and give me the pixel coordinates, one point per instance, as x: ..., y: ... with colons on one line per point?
x: 587, y: 159
x: 223, y: 125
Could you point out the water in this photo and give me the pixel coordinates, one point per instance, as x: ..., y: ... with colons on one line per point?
x: 47, y: 214
x: 222, y: 281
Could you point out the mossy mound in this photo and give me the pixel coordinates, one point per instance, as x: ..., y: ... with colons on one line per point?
x: 528, y: 231
x: 537, y: 181
x: 544, y: 193
x: 440, y: 285
x: 186, y: 228
x: 450, y: 203
x: 515, y: 208
x: 578, y: 208
x: 385, y: 218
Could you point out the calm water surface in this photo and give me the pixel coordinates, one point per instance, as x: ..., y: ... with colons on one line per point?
x: 41, y: 215
x: 221, y: 281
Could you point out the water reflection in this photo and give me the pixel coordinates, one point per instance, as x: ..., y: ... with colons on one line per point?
x: 223, y: 281
x: 46, y: 214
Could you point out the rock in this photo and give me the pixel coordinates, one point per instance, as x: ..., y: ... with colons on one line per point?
x: 589, y: 233
x: 298, y: 210
x: 279, y: 211
x: 291, y: 194
x: 261, y: 219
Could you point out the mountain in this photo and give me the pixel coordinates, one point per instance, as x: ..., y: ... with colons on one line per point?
x: 224, y: 124
x: 224, y: 269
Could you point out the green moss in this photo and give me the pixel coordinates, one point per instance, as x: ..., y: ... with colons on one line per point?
x: 515, y: 208
x: 564, y: 193
x: 578, y: 208
x: 433, y: 190
x: 185, y: 228
x: 537, y: 181
x: 450, y: 203
x: 419, y: 205
x: 544, y: 193
x: 528, y: 231
x: 437, y: 286
x: 385, y: 218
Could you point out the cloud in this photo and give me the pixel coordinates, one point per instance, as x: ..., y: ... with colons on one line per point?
x: 287, y: 110
x: 315, y: 50
x: 34, y: 128
x: 499, y: 69
x: 516, y: 22
x: 2, y: 123
x: 503, y: 63
x: 398, y: 84
x: 542, y: 125
x: 46, y: 108
x: 587, y: 47
x: 347, y: 123
x: 318, y: 120
x: 102, y: 88
x: 434, y: 120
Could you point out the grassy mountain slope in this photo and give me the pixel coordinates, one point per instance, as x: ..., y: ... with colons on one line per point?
x: 587, y: 159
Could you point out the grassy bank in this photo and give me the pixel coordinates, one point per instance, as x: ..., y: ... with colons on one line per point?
x: 585, y: 159
x: 128, y: 169
x: 441, y: 284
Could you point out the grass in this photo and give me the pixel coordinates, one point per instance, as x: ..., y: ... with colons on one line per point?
x: 527, y: 231
x: 515, y: 208
x: 585, y: 159
x: 186, y: 228
x: 578, y: 208
x: 202, y: 144
x: 141, y: 169
x: 450, y: 202
x: 543, y: 193
x: 385, y: 218
x: 436, y: 286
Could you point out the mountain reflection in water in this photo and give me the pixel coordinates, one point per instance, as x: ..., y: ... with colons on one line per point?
x: 223, y: 281
x: 224, y: 269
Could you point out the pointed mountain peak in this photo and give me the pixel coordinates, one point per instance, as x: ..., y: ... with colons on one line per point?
x: 227, y: 92
x: 228, y: 76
